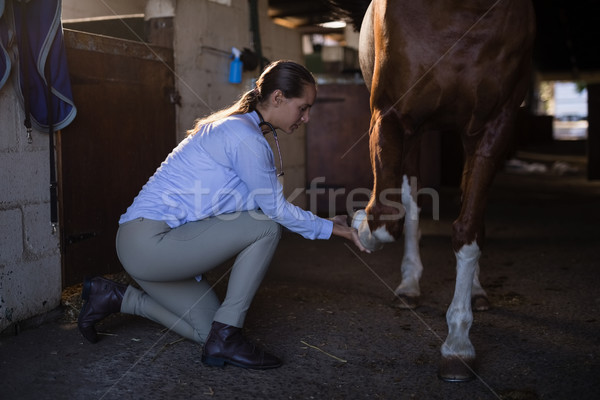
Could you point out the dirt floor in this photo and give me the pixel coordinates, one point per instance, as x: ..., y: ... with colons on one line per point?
x: 328, y: 312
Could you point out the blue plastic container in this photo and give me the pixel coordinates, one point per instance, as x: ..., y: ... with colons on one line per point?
x: 235, y: 70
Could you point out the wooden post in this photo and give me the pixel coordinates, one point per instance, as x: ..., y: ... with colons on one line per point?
x: 159, y: 22
x: 159, y: 31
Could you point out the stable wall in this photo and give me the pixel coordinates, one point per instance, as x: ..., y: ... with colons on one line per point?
x: 30, y: 268
x: 77, y: 9
x: 30, y: 260
x: 205, y: 31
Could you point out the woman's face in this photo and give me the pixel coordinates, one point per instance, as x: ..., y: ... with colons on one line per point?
x: 293, y: 112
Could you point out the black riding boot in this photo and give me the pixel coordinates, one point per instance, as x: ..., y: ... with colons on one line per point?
x: 226, y: 344
x: 102, y: 297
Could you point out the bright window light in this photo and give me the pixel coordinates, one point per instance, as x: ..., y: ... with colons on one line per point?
x: 333, y: 24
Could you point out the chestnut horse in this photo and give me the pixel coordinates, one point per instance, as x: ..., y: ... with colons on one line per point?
x: 459, y: 66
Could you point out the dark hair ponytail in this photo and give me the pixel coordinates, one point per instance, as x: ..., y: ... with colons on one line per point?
x: 287, y: 76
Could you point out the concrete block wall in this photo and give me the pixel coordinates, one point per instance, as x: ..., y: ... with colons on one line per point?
x: 30, y: 264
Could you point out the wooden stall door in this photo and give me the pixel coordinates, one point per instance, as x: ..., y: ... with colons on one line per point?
x: 338, y: 160
x: 125, y: 127
x: 337, y: 149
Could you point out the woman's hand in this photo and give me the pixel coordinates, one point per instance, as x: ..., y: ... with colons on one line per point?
x: 341, y: 220
x: 341, y: 228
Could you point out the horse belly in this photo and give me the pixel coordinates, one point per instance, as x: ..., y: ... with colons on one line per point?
x: 366, y: 52
x: 446, y: 70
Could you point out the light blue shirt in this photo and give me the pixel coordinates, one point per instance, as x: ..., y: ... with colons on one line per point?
x: 224, y: 168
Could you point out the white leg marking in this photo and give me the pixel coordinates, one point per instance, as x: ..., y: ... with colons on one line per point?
x: 382, y: 235
x: 459, y: 315
x: 412, y: 268
x: 477, y: 288
x: 371, y: 241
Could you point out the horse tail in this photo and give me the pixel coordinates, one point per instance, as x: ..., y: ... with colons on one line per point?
x: 349, y: 10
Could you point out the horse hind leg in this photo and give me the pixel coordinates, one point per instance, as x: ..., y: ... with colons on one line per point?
x: 479, y: 298
x: 458, y: 353
x: 409, y: 292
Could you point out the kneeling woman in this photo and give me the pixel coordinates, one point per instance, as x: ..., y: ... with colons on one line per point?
x: 215, y: 196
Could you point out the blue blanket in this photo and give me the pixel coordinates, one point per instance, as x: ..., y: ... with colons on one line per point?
x: 31, y: 32
x: 4, y: 57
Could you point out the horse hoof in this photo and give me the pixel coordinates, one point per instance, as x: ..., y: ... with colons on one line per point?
x: 456, y: 369
x: 480, y: 303
x: 406, y: 302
